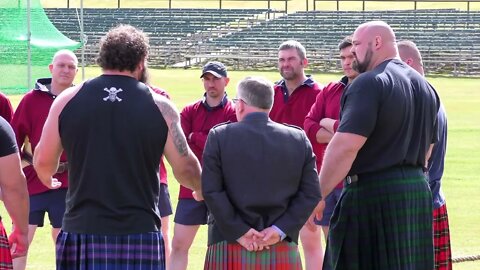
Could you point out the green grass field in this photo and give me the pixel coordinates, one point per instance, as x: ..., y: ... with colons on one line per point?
x: 460, y: 96
x: 461, y: 186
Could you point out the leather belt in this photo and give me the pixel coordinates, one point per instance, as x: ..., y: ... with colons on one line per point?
x: 394, y: 172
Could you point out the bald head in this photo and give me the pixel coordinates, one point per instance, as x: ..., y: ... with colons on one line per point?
x: 378, y: 28
x: 410, y: 54
x: 63, y: 69
x: 66, y: 53
x: 374, y: 42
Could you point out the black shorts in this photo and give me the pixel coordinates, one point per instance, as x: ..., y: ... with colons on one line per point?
x: 330, y: 203
x: 164, y: 203
x: 51, y: 202
x: 191, y: 212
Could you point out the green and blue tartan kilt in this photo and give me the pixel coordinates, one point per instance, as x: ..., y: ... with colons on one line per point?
x: 232, y: 256
x: 5, y: 255
x: 145, y: 251
x: 383, y: 221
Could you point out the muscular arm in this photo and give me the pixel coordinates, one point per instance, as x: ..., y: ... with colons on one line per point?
x: 15, y: 198
x: 185, y: 165
x: 338, y: 159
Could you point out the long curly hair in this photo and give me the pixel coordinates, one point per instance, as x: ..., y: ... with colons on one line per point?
x: 122, y: 48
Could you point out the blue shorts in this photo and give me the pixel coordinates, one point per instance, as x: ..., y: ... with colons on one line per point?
x: 330, y: 203
x: 164, y: 203
x: 51, y: 202
x: 191, y: 212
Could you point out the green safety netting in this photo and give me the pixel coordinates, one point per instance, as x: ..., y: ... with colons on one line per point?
x: 45, y: 41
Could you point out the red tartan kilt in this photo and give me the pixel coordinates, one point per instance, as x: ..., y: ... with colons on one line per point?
x: 441, y: 239
x: 225, y: 256
x: 5, y: 255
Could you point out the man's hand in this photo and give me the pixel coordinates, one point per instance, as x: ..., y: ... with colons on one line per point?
x: 271, y: 238
x: 328, y: 124
x: 18, y: 243
x: 197, y: 195
x: 317, y: 213
x: 249, y: 240
x: 55, y: 184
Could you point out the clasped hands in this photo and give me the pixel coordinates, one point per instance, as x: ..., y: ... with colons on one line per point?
x: 254, y: 240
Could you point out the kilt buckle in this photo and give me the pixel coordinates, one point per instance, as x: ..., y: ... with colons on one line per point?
x: 351, y: 179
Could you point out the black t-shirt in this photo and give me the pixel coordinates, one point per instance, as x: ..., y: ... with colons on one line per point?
x: 8, y: 145
x: 113, y: 134
x: 395, y: 108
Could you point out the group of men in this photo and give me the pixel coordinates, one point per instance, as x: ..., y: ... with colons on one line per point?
x: 263, y: 169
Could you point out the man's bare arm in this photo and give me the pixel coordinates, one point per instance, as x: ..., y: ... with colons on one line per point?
x: 185, y: 165
x: 16, y: 200
x: 338, y: 159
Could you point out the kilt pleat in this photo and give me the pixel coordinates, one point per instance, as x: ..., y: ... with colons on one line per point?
x: 382, y: 224
x: 101, y: 252
x: 441, y: 239
x: 5, y: 255
x: 225, y: 256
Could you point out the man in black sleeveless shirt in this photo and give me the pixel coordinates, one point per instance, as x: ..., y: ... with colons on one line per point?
x: 114, y: 130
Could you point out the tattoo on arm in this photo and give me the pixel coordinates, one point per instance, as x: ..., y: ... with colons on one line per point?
x: 171, y: 116
x: 179, y: 139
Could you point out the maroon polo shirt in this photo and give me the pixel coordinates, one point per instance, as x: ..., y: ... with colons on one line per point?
x: 6, y: 110
x: 293, y: 109
x: 327, y: 105
x: 198, y: 118
x: 28, y: 121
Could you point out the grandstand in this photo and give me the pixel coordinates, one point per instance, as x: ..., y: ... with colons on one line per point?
x: 172, y: 32
x: 246, y: 38
x: 449, y: 39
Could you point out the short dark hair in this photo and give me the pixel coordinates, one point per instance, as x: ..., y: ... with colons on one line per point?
x: 345, y: 43
x: 122, y: 48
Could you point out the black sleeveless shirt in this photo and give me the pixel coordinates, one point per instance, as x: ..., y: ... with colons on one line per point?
x: 114, y: 135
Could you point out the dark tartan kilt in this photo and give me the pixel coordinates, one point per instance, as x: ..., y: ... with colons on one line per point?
x: 383, y: 221
x: 225, y: 256
x: 5, y: 255
x: 441, y: 239
x: 100, y: 252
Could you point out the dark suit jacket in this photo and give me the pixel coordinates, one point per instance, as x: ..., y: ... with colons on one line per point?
x: 258, y: 173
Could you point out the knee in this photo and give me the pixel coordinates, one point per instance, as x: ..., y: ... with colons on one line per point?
x: 180, y: 244
x: 311, y: 241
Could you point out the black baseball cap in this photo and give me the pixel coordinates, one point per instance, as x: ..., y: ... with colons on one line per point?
x: 215, y: 68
